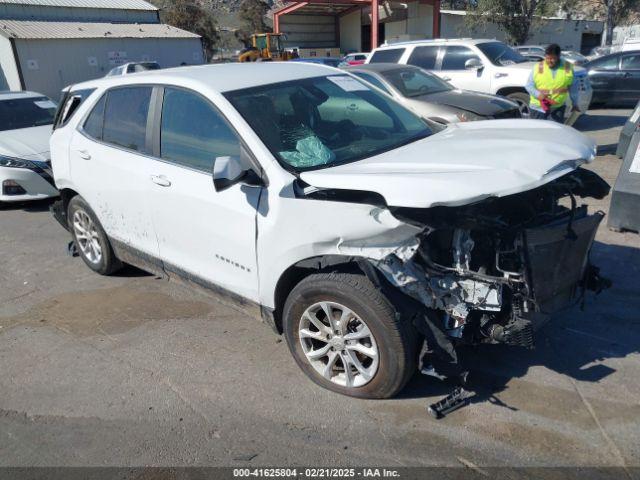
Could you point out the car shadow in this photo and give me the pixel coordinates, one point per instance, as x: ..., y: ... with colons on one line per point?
x: 30, y: 206
x: 575, y: 343
x: 591, y: 122
x: 608, y: 149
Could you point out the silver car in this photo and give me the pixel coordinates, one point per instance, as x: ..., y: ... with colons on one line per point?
x: 432, y: 98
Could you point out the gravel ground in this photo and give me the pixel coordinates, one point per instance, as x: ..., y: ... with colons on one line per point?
x: 132, y: 370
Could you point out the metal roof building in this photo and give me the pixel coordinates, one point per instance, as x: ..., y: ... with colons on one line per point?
x: 46, y: 45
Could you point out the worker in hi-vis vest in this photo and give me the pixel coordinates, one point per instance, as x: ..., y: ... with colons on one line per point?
x: 550, y: 84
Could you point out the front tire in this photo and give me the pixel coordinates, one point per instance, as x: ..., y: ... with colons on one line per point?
x: 90, y: 238
x: 522, y: 99
x: 345, y: 335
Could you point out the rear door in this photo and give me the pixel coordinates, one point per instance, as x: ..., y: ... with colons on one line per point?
x: 453, y: 69
x: 110, y: 165
x: 628, y: 88
x: 202, y: 234
x: 425, y: 57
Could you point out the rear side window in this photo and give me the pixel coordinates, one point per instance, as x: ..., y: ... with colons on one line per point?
x: 125, y: 117
x: 193, y: 133
x: 631, y: 62
x: 388, y: 55
x: 69, y: 105
x: 424, y: 57
x: 95, y: 121
x: 456, y: 57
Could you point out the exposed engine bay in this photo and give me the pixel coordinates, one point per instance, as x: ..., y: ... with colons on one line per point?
x: 493, y: 271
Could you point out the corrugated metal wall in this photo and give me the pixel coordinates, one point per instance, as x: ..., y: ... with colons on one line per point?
x: 309, y: 31
x: 50, y: 65
x: 39, y: 12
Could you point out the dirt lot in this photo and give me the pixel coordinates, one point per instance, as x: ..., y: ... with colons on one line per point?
x: 132, y: 370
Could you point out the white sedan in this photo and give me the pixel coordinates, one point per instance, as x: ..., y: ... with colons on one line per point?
x: 26, y: 119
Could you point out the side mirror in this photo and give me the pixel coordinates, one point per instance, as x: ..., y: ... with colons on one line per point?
x: 229, y: 170
x: 473, y: 64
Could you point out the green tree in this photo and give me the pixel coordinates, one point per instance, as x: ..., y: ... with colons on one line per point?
x: 252, y: 14
x: 515, y: 17
x: 190, y: 15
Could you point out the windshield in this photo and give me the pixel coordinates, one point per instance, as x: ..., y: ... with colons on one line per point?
x: 500, y: 54
x: 26, y: 112
x: 412, y: 82
x: 325, y: 121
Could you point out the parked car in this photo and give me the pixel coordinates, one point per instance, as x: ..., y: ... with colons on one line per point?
x: 536, y: 54
x: 487, y: 66
x: 602, y: 51
x: 25, y: 127
x: 354, y: 59
x: 133, y: 67
x: 430, y: 97
x: 328, y: 61
x: 615, y: 79
x: 329, y: 210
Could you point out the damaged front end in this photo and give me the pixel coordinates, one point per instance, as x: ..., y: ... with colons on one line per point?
x: 493, y: 271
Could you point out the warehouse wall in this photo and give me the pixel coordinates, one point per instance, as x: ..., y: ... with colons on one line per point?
x: 351, y: 32
x: 50, y: 65
x: 418, y: 25
x: 309, y: 31
x: 75, y: 14
x: 566, y: 33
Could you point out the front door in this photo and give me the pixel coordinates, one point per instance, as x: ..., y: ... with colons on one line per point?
x: 202, y: 234
x: 453, y: 70
x: 110, y: 161
x: 629, y: 80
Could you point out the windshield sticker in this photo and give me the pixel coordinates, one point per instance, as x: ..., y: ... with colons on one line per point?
x: 349, y: 84
x: 45, y: 104
x: 635, y: 163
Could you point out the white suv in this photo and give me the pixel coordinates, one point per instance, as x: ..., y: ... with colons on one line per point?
x: 330, y: 211
x: 487, y: 66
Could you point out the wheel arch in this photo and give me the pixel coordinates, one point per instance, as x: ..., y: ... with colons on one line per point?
x: 504, y: 91
x: 300, y: 270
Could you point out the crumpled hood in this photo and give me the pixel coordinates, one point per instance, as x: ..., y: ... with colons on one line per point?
x: 26, y: 143
x: 478, y: 103
x: 465, y: 163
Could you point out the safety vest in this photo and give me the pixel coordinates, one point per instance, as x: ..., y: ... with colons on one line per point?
x: 556, y: 87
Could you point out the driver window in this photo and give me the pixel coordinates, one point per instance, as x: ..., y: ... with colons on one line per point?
x: 193, y: 133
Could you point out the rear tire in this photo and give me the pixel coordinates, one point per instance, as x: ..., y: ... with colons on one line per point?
x: 90, y: 238
x: 364, y: 323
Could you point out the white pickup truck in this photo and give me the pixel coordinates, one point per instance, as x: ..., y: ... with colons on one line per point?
x: 487, y: 66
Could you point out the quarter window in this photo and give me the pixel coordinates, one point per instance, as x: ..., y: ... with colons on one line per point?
x: 389, y: 55
x: 424, y: 57
x: 456, y: 57
x: 192, y: 131
x: 125, y: 118
x: 94, y: 123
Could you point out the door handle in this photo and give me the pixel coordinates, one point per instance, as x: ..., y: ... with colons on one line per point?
x: 161, y: 180
x: 84, y: 154
x: 626, y: 75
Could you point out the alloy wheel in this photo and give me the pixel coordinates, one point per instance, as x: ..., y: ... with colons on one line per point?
x: 338, y: 344
x: 87, y: 237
